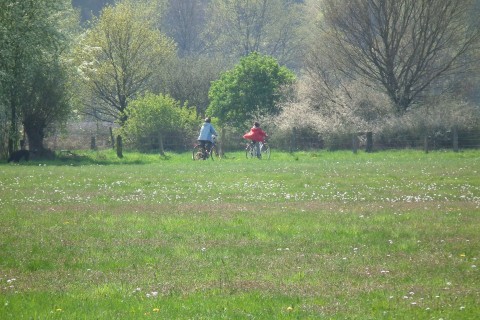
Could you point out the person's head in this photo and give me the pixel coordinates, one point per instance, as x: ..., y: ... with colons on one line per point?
x: 256, y: 124
x: 207, y: 119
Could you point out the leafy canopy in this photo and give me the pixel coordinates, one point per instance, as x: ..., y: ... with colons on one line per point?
x: 157, y: 115
x: 119, y: 58
x: 250, y: 90
x: 34, y: 36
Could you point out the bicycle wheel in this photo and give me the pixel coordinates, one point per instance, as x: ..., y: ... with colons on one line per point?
x: 197, y: 153
x: 250, y: 151
x: 265, y: 150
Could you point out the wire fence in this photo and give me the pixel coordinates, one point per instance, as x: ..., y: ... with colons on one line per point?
x: 99, y: 136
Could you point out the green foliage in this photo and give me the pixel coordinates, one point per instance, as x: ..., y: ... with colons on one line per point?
x: 157, y: 115
x: 48, y: 103
x: 34, y: 36
x: 251, y: 89
x: 120, y: 58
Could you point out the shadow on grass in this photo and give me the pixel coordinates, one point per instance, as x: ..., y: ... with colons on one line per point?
x: 86, y: 158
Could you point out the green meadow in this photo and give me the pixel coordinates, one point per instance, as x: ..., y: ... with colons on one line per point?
x: 310, y: 235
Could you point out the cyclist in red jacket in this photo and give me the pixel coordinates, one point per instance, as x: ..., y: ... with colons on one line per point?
x: 256, y: 134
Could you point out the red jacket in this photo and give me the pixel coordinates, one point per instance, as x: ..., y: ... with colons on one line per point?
x: 256, y: 134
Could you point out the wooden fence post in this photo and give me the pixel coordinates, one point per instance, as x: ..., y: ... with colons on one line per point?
x: 455, y: 139
x: 119, y: 147
x: 223, y: 135
x: 112, y: 138
x: 293, y: 140
x: 369, y: 147
x: 355, y: 143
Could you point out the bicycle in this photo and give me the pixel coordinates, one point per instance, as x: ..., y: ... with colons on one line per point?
x: 200, y: 152
x: 251, y: 150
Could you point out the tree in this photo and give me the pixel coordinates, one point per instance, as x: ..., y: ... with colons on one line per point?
x: 157, y: 115
x: 272, y: 27
x: 89, y: 8
x: 190, y: 79
x: 349, y: 109
x: 251, y: 89
x: 402, y: 46
x: 185, y: 21
x: 120, y: 58
x: 34, y: 36
x: 46, y: 103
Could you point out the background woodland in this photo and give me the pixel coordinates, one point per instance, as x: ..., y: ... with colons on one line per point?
x: 316, y: 73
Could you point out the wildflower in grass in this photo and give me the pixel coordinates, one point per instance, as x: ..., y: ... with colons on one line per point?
x: 136, y: 290
x: 289, y: 309
x: 152, y: 294
x: 156, y: 310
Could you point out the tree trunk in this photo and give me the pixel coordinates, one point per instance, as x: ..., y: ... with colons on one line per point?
x: 12, y: 139
x: 34, y: 130
x: 425, y: 143
x: 35, y: 134
x: 160, y: 144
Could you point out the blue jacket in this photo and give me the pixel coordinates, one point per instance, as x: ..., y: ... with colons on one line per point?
x: 206, y: 132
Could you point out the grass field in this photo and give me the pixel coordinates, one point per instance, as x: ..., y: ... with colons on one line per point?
x: 327, y: 235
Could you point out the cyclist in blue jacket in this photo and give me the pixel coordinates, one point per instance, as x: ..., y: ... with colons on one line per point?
x: 205, y: 137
